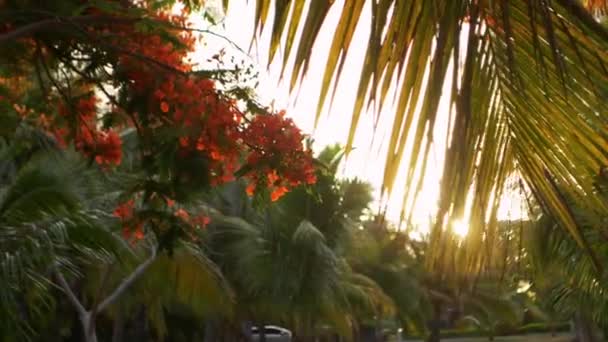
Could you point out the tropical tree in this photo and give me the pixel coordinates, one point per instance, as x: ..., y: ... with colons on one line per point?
x: 525, y: 85
x: 110, y: 85
x: 186, y: 283
x: 396, y: 264
x: 564, y: 279
x: 85, y: 87
x: 54, y: 229
x: 424, y: 304
x: 50, y: 221
x: 286, y: 260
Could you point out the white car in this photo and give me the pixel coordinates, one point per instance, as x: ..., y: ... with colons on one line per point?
x: 272, y: 333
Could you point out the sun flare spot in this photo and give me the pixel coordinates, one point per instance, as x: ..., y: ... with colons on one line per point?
x: 460, y: 228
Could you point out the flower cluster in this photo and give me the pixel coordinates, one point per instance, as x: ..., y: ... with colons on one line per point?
x: 132, y: 228
x: 104, y: 146
x: 278, y: 159
x: 210, y: 124
x: 148, y: 56
x: 174, y: 110
x: 77, y: 124
x: 133, y: 225
x: 199, y: 221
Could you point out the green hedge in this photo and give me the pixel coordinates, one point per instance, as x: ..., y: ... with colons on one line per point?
x: 543, y: 328
x: 525, y: 329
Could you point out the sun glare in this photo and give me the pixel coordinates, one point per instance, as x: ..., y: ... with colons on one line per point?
x: 460, y: 228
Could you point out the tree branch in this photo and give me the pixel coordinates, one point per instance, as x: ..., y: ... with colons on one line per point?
x: 82, y: 312
x: 128, y: 281
x: 55, y: 23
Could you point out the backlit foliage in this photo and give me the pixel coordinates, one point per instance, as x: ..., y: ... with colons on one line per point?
x: 90, y: 73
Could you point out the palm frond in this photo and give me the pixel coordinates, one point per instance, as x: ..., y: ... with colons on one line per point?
x: 527, y: 80
x: 185, y: 280
x: 46, y: 222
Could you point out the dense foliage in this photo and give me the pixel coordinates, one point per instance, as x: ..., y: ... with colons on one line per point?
x: 144, y: 196
x: 113, y: 83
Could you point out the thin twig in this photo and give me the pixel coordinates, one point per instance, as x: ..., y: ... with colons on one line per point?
x: 57, y: 22
x: 109, y: 96
x: 37, y: 58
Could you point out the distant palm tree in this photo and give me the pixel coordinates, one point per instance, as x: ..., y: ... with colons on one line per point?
x: 565, y: 279
x: 388, y: 257
x: 422, y: 301
x: 285, y: 261
x: 48, y: 225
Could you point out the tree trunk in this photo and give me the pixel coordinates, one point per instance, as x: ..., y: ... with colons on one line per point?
x: 210, y: 333
x: 118, y: 327
x: 88, y: 326
x: 246, y: 330
x: 583, y: 327
x: 435, y: 323
x: 262, y: 332
x: 491, y: 332
x: 140, y: 330
x: 87, y: 318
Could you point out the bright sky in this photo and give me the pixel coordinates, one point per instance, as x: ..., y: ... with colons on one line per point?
x: 367, y: 160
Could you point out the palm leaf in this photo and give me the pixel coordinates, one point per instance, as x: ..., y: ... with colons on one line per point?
x: 527, y: 81
x: 46, y: 222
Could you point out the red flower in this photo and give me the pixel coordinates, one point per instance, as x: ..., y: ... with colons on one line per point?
x: 139, y: 232
x: 201, y: 221
x: 108, y: 149
x: 277, y: 193
x: 272, y: 177
x: 184, y: 141
x: 159, y: 94
x: 181, y: 213
x: 164, y: 107
x: 60, y: 135
x: 170, y: 202
x: 250, y: 189
x: 124, y: 211
x: 133, y: 234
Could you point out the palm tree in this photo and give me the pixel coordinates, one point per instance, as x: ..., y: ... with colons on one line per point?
x: 55, y: 227
x: 286, y: 260
x: 394, y: 262
x: 289, y: 274
x: 564, y: 278
x: 49, y: 223
x: 186, y: 283
x: 526, y: 84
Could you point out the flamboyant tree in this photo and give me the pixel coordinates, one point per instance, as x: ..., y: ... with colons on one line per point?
x: 101, y: 77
